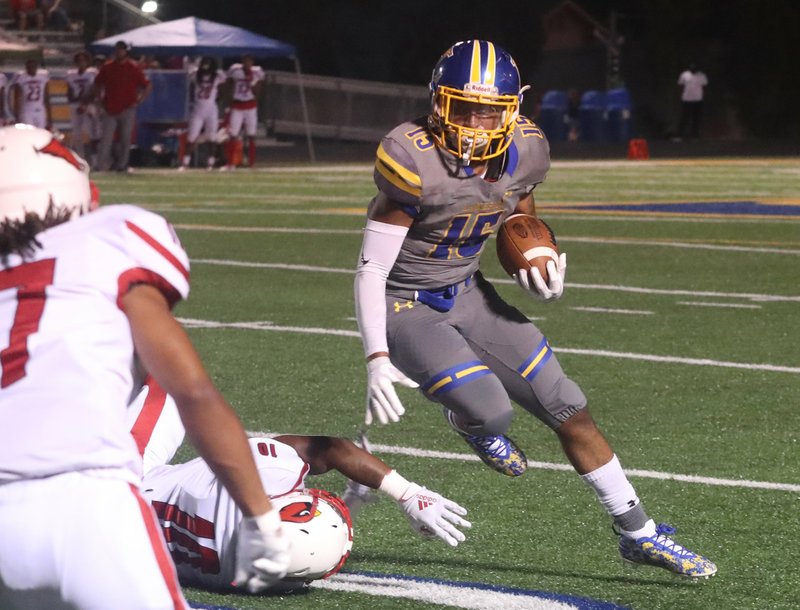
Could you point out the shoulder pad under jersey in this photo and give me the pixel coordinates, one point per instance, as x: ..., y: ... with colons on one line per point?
x: 396, y: 174
x: 157, y: 255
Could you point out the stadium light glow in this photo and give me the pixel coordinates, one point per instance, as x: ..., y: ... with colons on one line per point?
x: 150, y: 6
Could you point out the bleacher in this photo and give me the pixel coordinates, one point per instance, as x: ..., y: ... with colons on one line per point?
x: 57, y: 50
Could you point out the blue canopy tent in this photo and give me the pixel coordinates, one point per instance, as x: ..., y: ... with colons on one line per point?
x: 195, y: 37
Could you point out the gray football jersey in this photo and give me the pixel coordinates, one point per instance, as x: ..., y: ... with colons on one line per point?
x: 454, y: 210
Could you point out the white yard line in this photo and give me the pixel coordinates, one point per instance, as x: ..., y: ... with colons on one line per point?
x: 561, y: 238
x: 616, y: 288
x: 631, y: 312
x: 313, y: 330
x: 634, y: 472
x: 730, y: 305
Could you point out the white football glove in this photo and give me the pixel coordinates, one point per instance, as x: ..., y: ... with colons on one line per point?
x: 382, y: 400
x: 535, y: 285
x: 262, y: 555
x: 431, y: 514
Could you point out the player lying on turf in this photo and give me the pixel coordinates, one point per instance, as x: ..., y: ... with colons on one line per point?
x: 200, y: 521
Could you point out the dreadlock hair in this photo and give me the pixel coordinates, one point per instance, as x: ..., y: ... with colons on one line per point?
x: 18, y: 236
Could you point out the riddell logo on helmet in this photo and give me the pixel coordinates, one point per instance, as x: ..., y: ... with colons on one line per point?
x: 480, y: 88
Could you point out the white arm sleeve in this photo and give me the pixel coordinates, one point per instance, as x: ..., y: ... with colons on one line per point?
x: 379, y: 250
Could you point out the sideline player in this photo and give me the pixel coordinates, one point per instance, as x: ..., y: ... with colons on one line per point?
x: 85, y: 298
x: 85, y: 119
x: 204, y: 83
x: 427, y: 316
x: 190, y: 493
x: 31, y: 97
x: 246, y: 80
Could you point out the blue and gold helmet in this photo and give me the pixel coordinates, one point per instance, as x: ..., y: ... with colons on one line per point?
x: 475, y: 97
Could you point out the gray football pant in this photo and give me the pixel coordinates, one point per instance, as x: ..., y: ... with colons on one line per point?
x: 477, y: 357
x: 123, y: 123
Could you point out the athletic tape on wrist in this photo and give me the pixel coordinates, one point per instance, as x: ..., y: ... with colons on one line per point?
x: 395, y: 486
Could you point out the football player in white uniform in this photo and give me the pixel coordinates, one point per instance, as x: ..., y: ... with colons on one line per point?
x: 246, y: 80
x: 85, y: 118
x: 31, y: 96
x: 85, y: 301
x: 200, y: 520
x: 204, y: 83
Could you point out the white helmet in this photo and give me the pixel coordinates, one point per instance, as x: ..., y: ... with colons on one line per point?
x: 35, y: 170
x: 320, y: 533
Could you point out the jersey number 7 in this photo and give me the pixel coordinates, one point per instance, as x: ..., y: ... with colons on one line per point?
x: 30, y: 280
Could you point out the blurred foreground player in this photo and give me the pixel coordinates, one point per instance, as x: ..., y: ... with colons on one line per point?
x: 84, y: 298
x: 200, y: 520
x: 428, y: 317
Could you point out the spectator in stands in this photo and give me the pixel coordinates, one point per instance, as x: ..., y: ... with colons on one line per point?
x: 85, y: 117
x: 31, y: 97
x: 24, y: 10
x: 246, y: 80
x: 122, y: 86
x: 55, y: 15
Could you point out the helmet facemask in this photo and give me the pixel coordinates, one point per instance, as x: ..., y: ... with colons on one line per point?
x: 471, y: 125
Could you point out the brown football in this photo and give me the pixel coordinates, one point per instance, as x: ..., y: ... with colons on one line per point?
x: 525, y: 241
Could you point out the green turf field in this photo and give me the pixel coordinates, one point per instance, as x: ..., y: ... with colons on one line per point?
x: 682, y: 328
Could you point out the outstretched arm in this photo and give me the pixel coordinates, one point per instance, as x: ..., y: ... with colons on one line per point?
x: 429, y: 513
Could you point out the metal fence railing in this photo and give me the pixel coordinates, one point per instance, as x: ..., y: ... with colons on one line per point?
x: 338, y: 108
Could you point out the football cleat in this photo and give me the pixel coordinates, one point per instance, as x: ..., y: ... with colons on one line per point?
x: 661, y: 551
x: 498, y: 452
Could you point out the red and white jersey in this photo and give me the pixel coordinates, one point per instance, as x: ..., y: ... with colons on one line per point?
x: 33, y: 88
x: 67, y: 356
x: 80, y: 83
x: 242, y: 84
x: 199, y: 518
x: 205, y: 89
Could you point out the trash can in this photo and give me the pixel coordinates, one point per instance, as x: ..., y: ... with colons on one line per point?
x: 553, y: 115
x: 619, y: 114
x: 592, y: 116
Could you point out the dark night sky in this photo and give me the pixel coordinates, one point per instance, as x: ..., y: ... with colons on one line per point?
x: 749, y: 48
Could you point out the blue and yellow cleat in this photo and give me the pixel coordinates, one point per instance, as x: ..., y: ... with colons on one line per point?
x: 499, y: 453
x: 662, y: 552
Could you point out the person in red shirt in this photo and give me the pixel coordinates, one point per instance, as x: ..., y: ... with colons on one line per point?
x: 22, y: 10
x: 123, y: 86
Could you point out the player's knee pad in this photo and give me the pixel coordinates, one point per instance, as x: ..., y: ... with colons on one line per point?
x: 564, y: 400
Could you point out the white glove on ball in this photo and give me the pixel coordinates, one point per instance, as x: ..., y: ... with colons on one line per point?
x: 382, y: 400
x: 431, y: 514
x: 535, y: 285
x: 262, y: 554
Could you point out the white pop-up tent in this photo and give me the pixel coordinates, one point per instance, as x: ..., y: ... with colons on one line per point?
x: 195, y: 37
